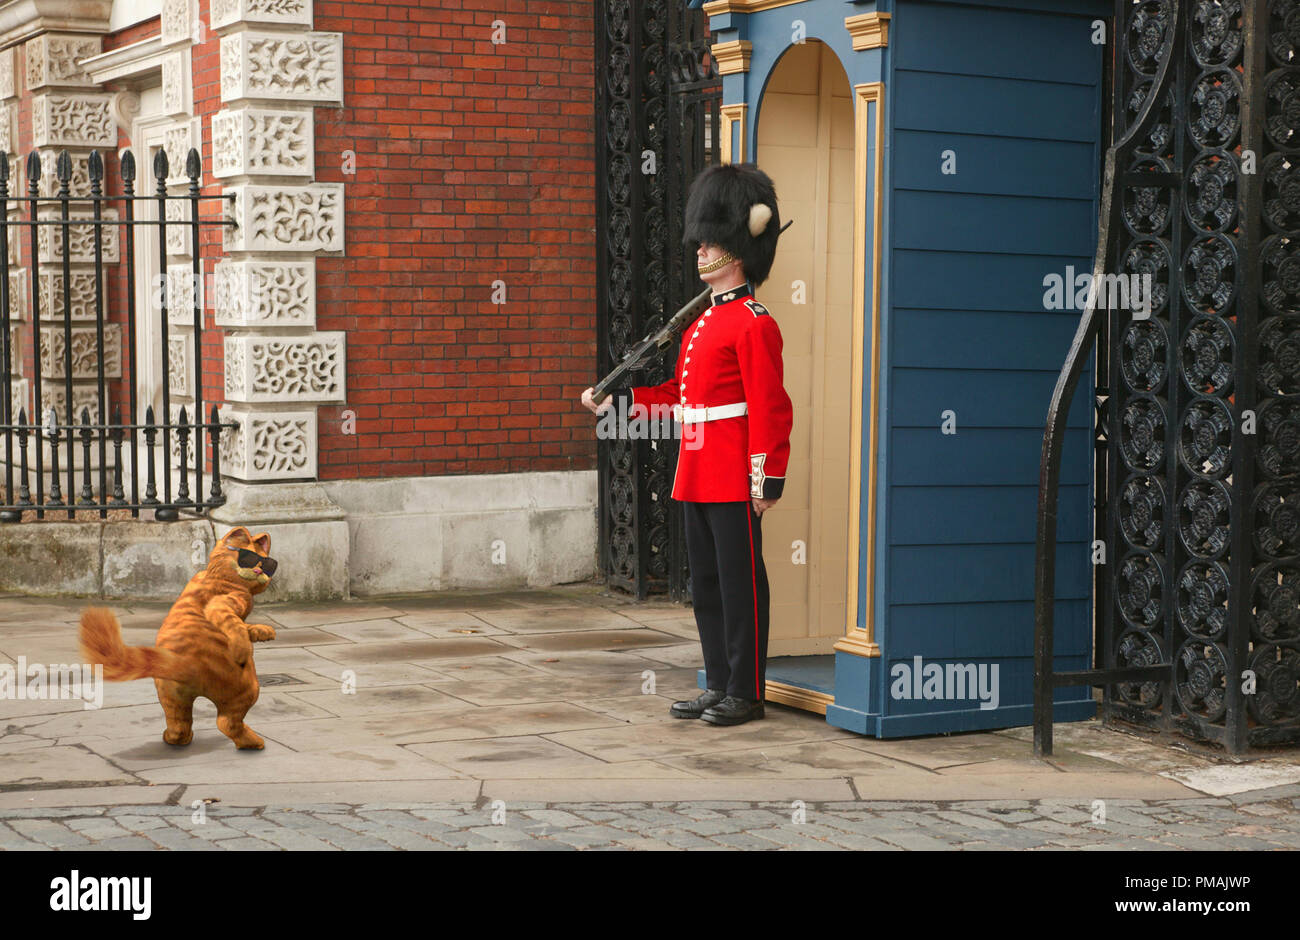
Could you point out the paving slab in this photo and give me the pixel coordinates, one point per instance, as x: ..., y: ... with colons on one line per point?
x: 676, y: 738
x: 316, y: 615
x: 1227, y: 779
x: 366, y: 631
x: 85, y: 796
x: 540, y: 688
x: 534, y: 756
x: 370, y: 700
x: 678, y: 790
x: 557, y: 619
x: 59, y: 765
x: 409, y: 651
x: 277, y: 765
x: 817, y: 759
x: 333, y: 791
x: 581, y: 662
x: 450, y: 723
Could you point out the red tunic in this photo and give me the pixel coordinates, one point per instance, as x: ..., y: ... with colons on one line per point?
x: 731, y: 354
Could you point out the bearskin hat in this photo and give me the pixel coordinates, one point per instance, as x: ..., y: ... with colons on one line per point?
x: 733, y: 205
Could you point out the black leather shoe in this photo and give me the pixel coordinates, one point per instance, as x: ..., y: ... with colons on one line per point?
x: 733, y: 711
x: 696, y: 706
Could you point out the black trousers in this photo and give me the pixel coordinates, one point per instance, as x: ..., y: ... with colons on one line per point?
x: 724, y: 547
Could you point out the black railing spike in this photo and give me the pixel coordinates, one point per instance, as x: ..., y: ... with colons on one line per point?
x: 148, y: 414
x: 33, y: 166
x: 128, y: 165
x: 4, y: 165
x: 160, y: 165
x: 183, y: 418
x: 95, y: 162
x: 63, y: 166
x: 193, y: 164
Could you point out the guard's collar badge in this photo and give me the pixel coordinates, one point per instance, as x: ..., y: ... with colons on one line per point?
x: 731, y: 294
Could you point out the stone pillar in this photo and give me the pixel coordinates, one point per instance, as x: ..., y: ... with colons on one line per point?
x: 178, y: 29
x: 19, y: 341
x: 278, y: 366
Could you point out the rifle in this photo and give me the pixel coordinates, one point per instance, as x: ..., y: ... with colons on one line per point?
x: 640, y: 355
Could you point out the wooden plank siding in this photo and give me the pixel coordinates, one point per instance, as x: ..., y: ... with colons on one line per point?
x: 1016, y: 94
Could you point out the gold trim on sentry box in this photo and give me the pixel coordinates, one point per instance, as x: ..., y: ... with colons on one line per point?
x: 861, y: 641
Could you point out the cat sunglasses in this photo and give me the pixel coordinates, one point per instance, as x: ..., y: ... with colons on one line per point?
x: 250, y: 559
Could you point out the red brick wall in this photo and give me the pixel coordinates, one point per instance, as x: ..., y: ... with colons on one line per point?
x: 474, y: 163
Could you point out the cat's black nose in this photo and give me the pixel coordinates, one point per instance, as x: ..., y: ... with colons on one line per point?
x: 269, y: 565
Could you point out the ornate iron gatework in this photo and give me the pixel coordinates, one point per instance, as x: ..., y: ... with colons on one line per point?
x: 61, y: 453
x: 657, y: 100
x: 1198, y: 630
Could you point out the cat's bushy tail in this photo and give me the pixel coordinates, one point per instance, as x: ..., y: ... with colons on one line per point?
x: 101, y: 643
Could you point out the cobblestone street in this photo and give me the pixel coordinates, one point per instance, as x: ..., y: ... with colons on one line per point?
x: 1261, y: 824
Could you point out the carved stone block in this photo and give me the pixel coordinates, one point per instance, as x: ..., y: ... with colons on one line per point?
x: 73, y: 120
x: 86, y: 354
x: 181, y: 284
x: 81, y: 292
x: 229, y: 12
x: 263, y: 368
x: 178, y: 22
x: 78, y: 183
x: 83, y: 397
x: 8, y: 87
x: 15, y: 349
x: 178, y: 141
x: 265, y: 293
x: 257, y: 141
x: 269, y: 445
x: 18, y: 300
x: 305, y: 67
x: 49, y: 238
x: 20, y: 398
x: 286, y: 218
x: 179, y: 232
x: 9, y: 133
x: 174, y: 440
x: 176, y: 90
x: 180, y: 364
x: 53, y: 59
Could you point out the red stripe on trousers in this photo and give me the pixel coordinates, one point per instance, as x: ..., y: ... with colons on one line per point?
x: 753, y: 576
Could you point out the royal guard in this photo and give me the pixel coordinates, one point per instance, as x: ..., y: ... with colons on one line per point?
x: 731, y: 470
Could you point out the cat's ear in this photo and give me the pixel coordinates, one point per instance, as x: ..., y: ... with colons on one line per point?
x: 262, y: 543
x: 238, y: 537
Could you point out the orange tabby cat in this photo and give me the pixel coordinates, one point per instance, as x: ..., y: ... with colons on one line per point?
x: 204, y: 646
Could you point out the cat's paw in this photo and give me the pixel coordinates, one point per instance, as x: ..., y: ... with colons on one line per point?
x: 260, y: 632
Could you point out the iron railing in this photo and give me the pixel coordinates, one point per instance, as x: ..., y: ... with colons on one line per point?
x: 41, y: 447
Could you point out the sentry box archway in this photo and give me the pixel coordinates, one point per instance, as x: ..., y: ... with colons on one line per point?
x: 943, y: 162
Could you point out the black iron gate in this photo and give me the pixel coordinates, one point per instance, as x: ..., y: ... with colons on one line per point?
x: 657, y: 100
x: 61, y: 452
x: 1198, y: 621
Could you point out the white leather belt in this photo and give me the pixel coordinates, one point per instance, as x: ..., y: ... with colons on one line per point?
x: 710, y: 413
